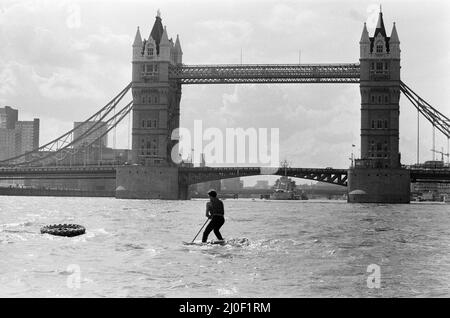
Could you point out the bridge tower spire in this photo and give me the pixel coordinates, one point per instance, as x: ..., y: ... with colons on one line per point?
x: 177, y: 51
x: 137, y: 44
x: 377, y: 176
x: 364, y: 43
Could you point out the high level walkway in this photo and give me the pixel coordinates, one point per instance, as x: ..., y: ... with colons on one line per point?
x: 266, y: 73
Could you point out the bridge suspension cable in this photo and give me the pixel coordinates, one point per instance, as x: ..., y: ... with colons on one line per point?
x: 111, y: 123
x: 435, y: 117
x: 65, y: 144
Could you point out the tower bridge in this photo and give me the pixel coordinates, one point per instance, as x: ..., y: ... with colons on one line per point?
x: 158, y: 74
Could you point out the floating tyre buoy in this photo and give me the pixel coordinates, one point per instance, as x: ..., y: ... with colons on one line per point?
x: 63, y: 229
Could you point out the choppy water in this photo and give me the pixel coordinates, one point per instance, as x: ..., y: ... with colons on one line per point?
x: 279, y: 249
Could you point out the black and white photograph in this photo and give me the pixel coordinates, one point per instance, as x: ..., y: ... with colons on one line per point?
x: 224, y: 155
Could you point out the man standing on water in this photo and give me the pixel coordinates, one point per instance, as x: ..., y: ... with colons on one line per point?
x: 215, y: 212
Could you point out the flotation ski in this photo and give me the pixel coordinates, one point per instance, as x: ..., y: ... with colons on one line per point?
x: 217, y: 242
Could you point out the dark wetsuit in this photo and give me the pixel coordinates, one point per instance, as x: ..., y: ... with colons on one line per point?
x: 216, y: 212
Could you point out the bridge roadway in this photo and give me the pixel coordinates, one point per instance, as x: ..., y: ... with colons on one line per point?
x: 58, y: 172
x: 197, y: 175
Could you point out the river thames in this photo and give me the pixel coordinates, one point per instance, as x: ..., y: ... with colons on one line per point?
x: 133, y: 248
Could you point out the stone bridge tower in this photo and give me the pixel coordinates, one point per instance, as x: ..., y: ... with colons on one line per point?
x: 156, y: 98
x: 156, y: 114
x: 378, y: 176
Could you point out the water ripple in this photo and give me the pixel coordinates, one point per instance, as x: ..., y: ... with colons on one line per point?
x: 274, y: 249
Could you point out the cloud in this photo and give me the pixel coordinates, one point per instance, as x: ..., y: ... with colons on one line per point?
x: 356, y: 15
x: 63, y: 86
x: 73, y: 21
x: 227, y: 31
x: 312, y: 124
x: 218, y: 40
x: 63, y: 71
x: 286, y: 19
x: 9, y: 82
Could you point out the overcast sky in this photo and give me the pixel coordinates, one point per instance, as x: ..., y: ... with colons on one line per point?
x: 61, y: 61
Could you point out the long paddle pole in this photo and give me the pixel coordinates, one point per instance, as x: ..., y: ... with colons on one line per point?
x: 200, y: 231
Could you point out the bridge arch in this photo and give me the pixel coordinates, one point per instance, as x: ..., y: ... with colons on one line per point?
x: 189, y: 176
